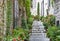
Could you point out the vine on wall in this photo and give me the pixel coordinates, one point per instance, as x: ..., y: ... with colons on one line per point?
x: 9, y: 16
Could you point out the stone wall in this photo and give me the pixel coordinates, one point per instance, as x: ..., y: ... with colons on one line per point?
x: 1, y: 17
x: 57, y: 11
x: 2, y: 20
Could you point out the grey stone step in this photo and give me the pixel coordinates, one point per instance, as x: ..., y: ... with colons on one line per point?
x: 40, y: 27
x: 38, y: 30
x: 37, y: 36
x: 39, y: 39
x: 38, y: 33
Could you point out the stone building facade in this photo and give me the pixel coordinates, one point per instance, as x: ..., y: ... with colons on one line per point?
x: 57, y: 11
x: 44, y: 6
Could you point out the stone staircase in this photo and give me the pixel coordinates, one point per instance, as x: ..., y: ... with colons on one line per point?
x: 38, y: 32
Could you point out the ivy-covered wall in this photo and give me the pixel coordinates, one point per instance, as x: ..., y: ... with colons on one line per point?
x: 9, y: 16
x: 1, y: 19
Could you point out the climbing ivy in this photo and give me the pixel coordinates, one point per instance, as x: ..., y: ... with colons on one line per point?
x: 9, y: 15
x: 27, y: 5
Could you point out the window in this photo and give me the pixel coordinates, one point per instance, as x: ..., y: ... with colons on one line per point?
x: 57, y: 23
x: 57, y: 8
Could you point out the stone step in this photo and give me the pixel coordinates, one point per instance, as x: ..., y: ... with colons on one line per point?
x: 37, y: 22
x: 36, y: 25
x: 40, y: 27
x: 39, y: 39
x: 37, y: 31
x: 38, y: 35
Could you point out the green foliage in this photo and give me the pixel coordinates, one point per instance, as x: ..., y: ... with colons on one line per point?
x: 18, y: 33
x: 51, y: 19
x: 22, y: 4
x: 29, y: 16
x: 23, y: 33
x: 24, y: 23
x: 30, y: 21
x: 58, y: 35
x: 48, y: 20
x: 27, y: 5
x: 1, y: 38
x: 36, y: 17
x: 58, y: 38
x: 9, y: 15
x: 38, y: 11
x: 52, y: 33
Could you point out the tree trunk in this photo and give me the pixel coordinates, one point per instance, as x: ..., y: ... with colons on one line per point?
x: 2, y: 23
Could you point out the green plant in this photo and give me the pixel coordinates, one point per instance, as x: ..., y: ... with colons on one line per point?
x: 36, y: 17
x: 38, y: 13
x: 8, y: 16
x: 18, y: 34
x: 30, y: 21
x: 48, y: 21
x: 51, y: 33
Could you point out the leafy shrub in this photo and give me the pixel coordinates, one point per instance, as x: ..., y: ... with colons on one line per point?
x: 51, y: 33
x: 48, y: 21
x: 29, y: 22
x: 17, y: 35
x: 37, y: 17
